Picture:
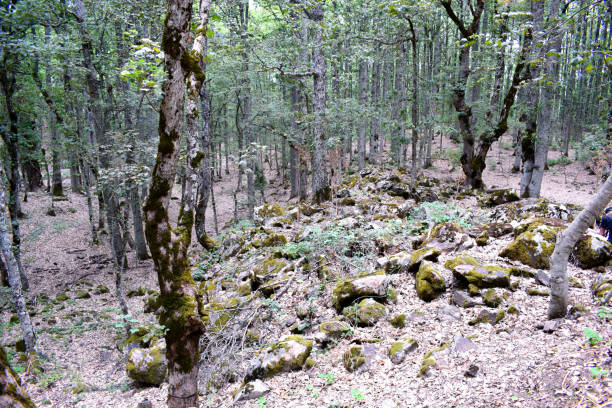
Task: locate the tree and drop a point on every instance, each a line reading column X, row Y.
column 179, row 298
column 566, row 240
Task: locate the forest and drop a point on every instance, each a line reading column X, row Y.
column 305, row 203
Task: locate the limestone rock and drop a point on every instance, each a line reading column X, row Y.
column 462, row 300
column 332, row 330
column 429, row 282
column 498, row 197
column 491, row 298
column 534, row 246
column 148, row 365
column 463, row 344
column 348, row 290
column 487, row 316
column 265, row 271
column 400, row 349
column 288, row 354
column 231, row 245
column 252, row 389
column 354, row 358
column 481, row 276
column 366, row 313
column 448, row 237
column 397, row 263
column 592, row 250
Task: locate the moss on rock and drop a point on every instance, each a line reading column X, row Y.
column 366, row 313
column 148, row 365
column 348, row 290
column 398, row 321
column 288, row 354
column 429, row 282
column 353, row 358
column 491, row 298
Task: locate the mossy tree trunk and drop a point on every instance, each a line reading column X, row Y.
column 12, row 395
column 566, row 240
column 179, row 296
column 14, row 281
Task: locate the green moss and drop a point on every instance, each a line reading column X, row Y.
column 537, row 292
column 366, row 313
column 463, row 259
column 140, row 291
column 534, row 246
column 473, row 290
column 348, row 201
column 335, row 329
column 14, row 319
column 82, row 294
column 100, row 289
column 274, row 240
column 429, row 282
column 62, row 297
column 426, row 364
column 195, row 162
column 271, row 210
column 398, row 321
column 575, row 282
column 483, row 238
column 353, row 358
column 310, row 363
column 346, row 291
column 423, row 254
column 491, row 299
column 512, row 310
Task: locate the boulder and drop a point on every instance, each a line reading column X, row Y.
column 447, row 237
column 332, row 330
column 528, row 207
column 481, row 276
column 534, row 246
column 231, row 246
column 487, row 316
column 493, row 230
column 601, row 286
column 348, row 290
column 148, row 365
column 269, row 210
column 500, row 196
column 404, row 262
column 491, row 298
column 429, row 281
column 265, row 271
column 353, row 358
column 592, row 250
column 366, row 313
column 288, row 354
column 252, row 389
column 400, row 349
column 463, row 300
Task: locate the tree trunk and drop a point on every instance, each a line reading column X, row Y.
column 557, row 307
column 363, row 90
column 204, row 173
column 15, row 281
column 10, row 138
column 321, row 190
column 12, row 393
column 179, row 295
column 415, row 102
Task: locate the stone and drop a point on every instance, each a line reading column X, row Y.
column 551, row 326
column 601, row 286
column 534, row 246
column 252, row 390
column 343, row 193
column 481, row 276
column 397, row 263
column 288, row 354
column 592, row 250
column 420, row 255
column 487, row 316
column 483, row 238
column 493, row 230
column 348, row 290
column 491, row 298
column 366, row 313
column 400, row 349
column 269, row 210
column 231, row 245
column 353, row 358
column 429, row 281
column 433, row 359
column 265, row 271
column 148, row 365
column 333, row 330
column 496, row 197
column 463, row 344
column 145, row 403
column 462, row 300
column 448, row 312
column 448, row 237
column 472, row 371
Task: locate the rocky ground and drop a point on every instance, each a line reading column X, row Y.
column 358, row 302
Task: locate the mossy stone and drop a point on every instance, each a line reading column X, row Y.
column 148, row 365
column 423, row 254
column 429, row 282
column 398, row 321
column 512, row 310
column 366, row 313
column 399, row 349
column 462, row 259
column 353, row 358
column 483, row 238
column 491, row 298
column 347, row 290
column 592, row 250
column 274, row 240
column 101, row 289
column 537, row 292
column 82, row 294
column 334, row 329
column 14, row 319
column 473, row 290
column 62, row 297
column 534, row 246
column 288, row 354
column 270, row 210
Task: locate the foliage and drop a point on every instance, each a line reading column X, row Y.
column 592, row 337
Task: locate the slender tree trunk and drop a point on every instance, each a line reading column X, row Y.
column 15, row 281
column 321, row 190
column 204, row 174
column 10, row 138
column 415, row 102
column 557, row 307
column 363, row 90
column 169, row 246
column 12, row 393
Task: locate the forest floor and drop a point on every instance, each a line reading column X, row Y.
column 520, row 365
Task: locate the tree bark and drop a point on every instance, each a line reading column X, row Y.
column 12, row 394
column 179, row 296
column 15, row 282
column 363, row 90
column 321, row 190
column 557, row 307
